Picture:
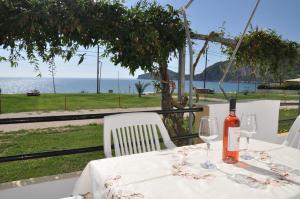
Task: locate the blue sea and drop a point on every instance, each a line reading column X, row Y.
column 77, row 85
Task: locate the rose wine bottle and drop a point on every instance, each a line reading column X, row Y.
column 231, row 136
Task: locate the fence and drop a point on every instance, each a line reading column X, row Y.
column 91, row 116
column 78, row 117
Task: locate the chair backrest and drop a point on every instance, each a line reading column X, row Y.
column 134, row 133
column 293, row 138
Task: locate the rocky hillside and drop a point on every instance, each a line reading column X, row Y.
column 216, row 71
column 172, row 75
column 213, row 73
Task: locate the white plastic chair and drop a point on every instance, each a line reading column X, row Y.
column 134, row 133
column 293, row 138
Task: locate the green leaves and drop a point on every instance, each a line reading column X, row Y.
column 137, row 37
column 141, row 87
column 81, row 58
column 3, row 58
column 266, row 52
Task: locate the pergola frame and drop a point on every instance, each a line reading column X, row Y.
column 216, row 38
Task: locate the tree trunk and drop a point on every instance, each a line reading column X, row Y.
column 173, row 122
column 280, row 80
column 166, row 98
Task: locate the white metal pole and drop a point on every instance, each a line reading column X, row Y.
column 119, row 90
column 97, row 69
column 181, row 71
column 205, row 67
column 188, row 35
column 236, row 49
column 100, row 76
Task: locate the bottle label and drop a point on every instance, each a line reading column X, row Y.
column 233, row 138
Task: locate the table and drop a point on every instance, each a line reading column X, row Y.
column 177, row 173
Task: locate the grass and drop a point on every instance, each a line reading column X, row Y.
column 288, row 113
column 284, row 126
column 12, row 103
column 68, row 137
column 30, row 141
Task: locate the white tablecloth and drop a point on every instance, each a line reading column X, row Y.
column 178, row 173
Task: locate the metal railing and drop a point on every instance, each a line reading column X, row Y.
column 79, row 117
column 92, row 116
column 84, row 116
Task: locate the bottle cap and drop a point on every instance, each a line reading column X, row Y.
column 232, row 105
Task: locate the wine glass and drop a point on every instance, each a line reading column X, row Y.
column 248, row 128
column 208, row 131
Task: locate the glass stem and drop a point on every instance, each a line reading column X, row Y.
column 207, row 154
column 247, row 146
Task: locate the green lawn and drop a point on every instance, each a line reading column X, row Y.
column 288, row 113
column 12, row 103
column 284, row 126
column 31, row 141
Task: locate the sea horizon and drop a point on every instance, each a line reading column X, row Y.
column 127, row 78
column 14, row 85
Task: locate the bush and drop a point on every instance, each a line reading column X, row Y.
column 141, row 87
column 282, row 87
column 245, row 92
column 34, row 92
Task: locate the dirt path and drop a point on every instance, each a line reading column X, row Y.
column 16, row 127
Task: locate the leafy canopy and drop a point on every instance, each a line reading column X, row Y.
column 143, row 36
column 266, row 51
column 137, row 37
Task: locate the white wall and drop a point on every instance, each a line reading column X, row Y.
column 267, row 113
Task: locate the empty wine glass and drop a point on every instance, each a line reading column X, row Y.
column 208, row 131
column 248, row 128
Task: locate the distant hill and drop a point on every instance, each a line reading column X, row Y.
column 216, row 71
column 172, row 75
column 213, row 73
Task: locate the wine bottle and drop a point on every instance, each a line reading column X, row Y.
column 231, row 136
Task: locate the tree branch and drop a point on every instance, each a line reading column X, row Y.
column 202, row 50
column 181, row 103
column 215, row 37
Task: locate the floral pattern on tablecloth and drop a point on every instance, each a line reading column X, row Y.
column 283, row 171
column 256, row 182
column 114, row 191
column 181, row 168
column 263, row 156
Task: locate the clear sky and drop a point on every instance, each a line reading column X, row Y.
column 205, row 16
